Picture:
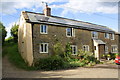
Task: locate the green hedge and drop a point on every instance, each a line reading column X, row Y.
column 51, row 63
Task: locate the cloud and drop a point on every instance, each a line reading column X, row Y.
column 11, row 6
column 85, row 6
column 90, row 7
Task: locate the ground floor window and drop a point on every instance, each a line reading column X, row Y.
column 106, row 49
column 74, row 49
column 114, row 49
column 85, row 48
column 43, row 47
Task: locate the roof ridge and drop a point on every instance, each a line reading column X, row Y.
column 69, row 19
column 82, row 22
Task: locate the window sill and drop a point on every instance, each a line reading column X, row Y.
column 112, row 39
column 74, row 54
column 114, row 52
column 43, row 52
column 43, row 33
column 70, row 36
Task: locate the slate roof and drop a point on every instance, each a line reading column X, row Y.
column 54, row 20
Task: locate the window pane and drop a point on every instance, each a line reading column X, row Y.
column 83, row 48
column 94, row 34
column 112, row 36
column 74, row 50
column 41, row 28
column 107, row 35
column 114, row 49
column 45, row 47
column 42, row 48
column 69, row 31
column 44, row 29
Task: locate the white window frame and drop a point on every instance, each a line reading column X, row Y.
column 73, row 50
column 86, row 46
column 73, row 32
column 46, row 29
column 112, row 36
column 106, row 35
column 43, row 48
column 114, row 46
column 93, row 33
column 106, row 49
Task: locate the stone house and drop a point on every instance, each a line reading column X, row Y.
column 38, row 33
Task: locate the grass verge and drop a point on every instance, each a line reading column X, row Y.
column 11, row 50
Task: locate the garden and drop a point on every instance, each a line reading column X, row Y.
column 65, row 60
column 59, row 60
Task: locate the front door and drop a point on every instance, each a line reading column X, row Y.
column 101, row 50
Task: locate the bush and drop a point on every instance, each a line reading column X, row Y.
column 50, row 63
column 3, row 32
column 9, row 39
column 14, row 32
column 58, row 49
column 87, row 58
column 112, row 55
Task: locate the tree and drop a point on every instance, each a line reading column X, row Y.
column 14, row 32
column 3, row 32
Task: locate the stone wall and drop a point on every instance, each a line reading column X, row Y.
column 58, row 34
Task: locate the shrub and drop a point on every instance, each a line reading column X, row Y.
column 68, row 50
column 87, row 57
column 9, row 39
column 113, row 55
column 3, row 32
column 14, row 32
column 50, row 63
column 84, row 54
column 57, row 49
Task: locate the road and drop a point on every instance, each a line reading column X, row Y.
column 10, row 71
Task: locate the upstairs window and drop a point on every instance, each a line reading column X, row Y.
column 43, row 29
column 112, row 37
column 44, row 48
column 114, row 49
column 85, row 48
column 74, row 49
column 70, row 32
column 107, row 35
column 106, row 49
column 94, row 34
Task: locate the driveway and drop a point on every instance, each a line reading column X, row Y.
column 10, row 71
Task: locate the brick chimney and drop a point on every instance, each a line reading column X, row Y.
column 47, row 11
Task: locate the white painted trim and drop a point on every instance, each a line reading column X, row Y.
column 73, row 32
column 43, row 47
column 46, row 29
